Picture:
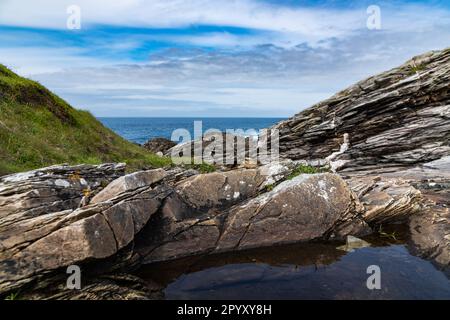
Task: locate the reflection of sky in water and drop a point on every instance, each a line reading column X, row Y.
column 403, row 276
column 305, row 271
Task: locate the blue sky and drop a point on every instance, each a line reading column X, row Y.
column 212, row 58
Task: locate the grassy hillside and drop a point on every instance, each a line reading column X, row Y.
column 38, row 129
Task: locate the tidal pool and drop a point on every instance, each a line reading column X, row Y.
column 304, row 271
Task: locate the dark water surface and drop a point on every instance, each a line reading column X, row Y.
column 305, row 271
column 140, row 130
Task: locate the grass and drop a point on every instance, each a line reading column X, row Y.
column 391, row 235
column 38, row 129
column 204, row 167
column 12, row 296
column 188, row 162
column 304, row 169
column 415, row 69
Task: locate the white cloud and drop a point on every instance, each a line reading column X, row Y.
column 176, row 13
column 297, row 57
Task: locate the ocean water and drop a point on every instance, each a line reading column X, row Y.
column 140, row 130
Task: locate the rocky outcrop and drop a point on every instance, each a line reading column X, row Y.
column 157, row 145
column 36, row 240
column 158, row 215
column 387, row 137
column 430, row 228
column 395, row 119
column 304, row 208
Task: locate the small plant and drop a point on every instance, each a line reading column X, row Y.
column 204, row 167
column 12, row 296
column 303, row 169
column 415, row 69
column 385, row 234
column 270, row 187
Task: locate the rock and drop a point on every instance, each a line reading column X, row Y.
column 386, row 199
column 219, row 190
column 44, row 241
column 223, row 149
column 31, row 194
column 398, row 118
column 305, row 208
column 430, row 235
column 129, row 182
column 276, row 171
column 387, row 137
column 353, row 243
column 158, row 145
column 111, row 287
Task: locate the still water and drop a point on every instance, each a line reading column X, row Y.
column 304, row 271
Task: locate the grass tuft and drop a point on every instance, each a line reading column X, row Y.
column 304, row 169
column 12, row 296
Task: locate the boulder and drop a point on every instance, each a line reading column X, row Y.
column 52, row 189
column 305, row 208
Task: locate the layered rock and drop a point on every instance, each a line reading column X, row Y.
column 386, row 199
column 158, row 215
column 389, row 137
column 395, row 119
column 304, row 208
column 36, row 240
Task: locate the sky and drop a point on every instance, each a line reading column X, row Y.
column 210, row 58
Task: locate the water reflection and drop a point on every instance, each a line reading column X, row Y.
column 304, row 271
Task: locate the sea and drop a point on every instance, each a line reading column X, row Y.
column 140, row 130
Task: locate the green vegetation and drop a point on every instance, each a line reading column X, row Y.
column 38, row 129
column 204, row 167
column 270, row 187
column 415, row 69
column 304, row 169
column 391, row 235
column 188, row 162
column 12, row 296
